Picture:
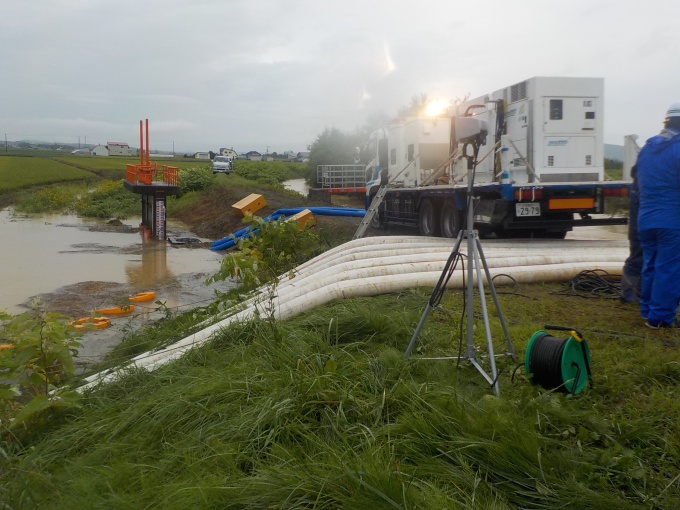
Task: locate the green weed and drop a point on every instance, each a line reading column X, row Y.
column 109, row 199
column 50, row 199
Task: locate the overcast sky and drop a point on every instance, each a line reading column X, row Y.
column 272, row 74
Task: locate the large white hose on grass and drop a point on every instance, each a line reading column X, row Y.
column 380, row 265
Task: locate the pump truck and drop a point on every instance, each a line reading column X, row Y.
column 539, row 172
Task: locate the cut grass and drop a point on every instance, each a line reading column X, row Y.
column 324, row 411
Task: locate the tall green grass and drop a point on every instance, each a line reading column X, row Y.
column 324, row 411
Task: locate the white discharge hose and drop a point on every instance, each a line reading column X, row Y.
column 378, row 265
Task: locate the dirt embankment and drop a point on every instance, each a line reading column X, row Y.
column 213, row 217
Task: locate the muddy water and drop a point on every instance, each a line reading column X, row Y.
column 299, row 185
column 75, row 266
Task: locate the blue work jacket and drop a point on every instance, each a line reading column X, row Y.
column 658, row 178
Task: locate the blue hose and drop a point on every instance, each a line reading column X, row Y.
column 232, row 239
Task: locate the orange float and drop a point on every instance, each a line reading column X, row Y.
column 143, row 296
column 116, row 310
column 89, row 322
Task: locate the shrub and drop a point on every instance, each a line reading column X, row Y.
column 274, row 248
column 108, row 200
column 195, row 179
column 51, row 199
column 36, row 353
column 268, row 172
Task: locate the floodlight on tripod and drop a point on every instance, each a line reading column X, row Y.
column 471, row 132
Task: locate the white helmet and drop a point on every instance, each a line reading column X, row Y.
column 673, row 110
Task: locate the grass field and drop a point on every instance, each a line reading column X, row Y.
column 24, row 172
column 99, row 164
column 324, row 411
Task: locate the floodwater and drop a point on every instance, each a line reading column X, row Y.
column 75, row 266
column 299, row 185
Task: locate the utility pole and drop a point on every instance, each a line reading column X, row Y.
column 5, row 142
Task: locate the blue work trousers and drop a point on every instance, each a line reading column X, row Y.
column 660, row 293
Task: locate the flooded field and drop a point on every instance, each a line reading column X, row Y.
column 75, row 266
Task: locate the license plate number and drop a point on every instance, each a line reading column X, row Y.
column 527, row 209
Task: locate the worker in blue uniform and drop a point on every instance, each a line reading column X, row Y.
column 658, row 178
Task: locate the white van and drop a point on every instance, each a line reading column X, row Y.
column 222, row 164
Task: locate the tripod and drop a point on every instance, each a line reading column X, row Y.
column 476, row 262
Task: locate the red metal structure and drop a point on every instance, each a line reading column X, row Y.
column 154, row 183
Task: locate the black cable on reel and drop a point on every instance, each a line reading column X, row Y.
column 558, row 363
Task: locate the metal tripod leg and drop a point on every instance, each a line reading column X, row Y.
column 476, row 262
column 428, row 307
column 494, row 295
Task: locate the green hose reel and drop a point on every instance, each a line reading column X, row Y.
column 561, row 364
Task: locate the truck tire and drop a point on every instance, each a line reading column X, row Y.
column 450, row 222
column 428, row 219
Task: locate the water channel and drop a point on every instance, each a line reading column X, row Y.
column 74, row 266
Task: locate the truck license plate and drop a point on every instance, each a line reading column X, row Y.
column 523, row 209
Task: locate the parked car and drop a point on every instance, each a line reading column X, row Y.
column 222, row 164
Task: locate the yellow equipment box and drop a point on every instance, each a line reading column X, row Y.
column 251, row 204
column 303, row 218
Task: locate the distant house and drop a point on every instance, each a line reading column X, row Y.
column 267, row 157
column 118, row 149
column 202, row 155
column 254, row 156
column 302, row 157
column 99, row 150
column 229, row 152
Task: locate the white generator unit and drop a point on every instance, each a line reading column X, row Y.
column 553, row 128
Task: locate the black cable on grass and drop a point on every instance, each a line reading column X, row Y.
column 513, row 291
column 593, row 283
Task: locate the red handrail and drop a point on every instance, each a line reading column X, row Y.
column 148, row 174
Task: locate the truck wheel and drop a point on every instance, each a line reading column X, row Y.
column 450, row 220
column 427, row 220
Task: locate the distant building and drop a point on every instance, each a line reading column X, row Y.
column 254, row 156
column 302, row 157
column 202, row 155
column 99, row 150
column 119, row 149
column 229, row 152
